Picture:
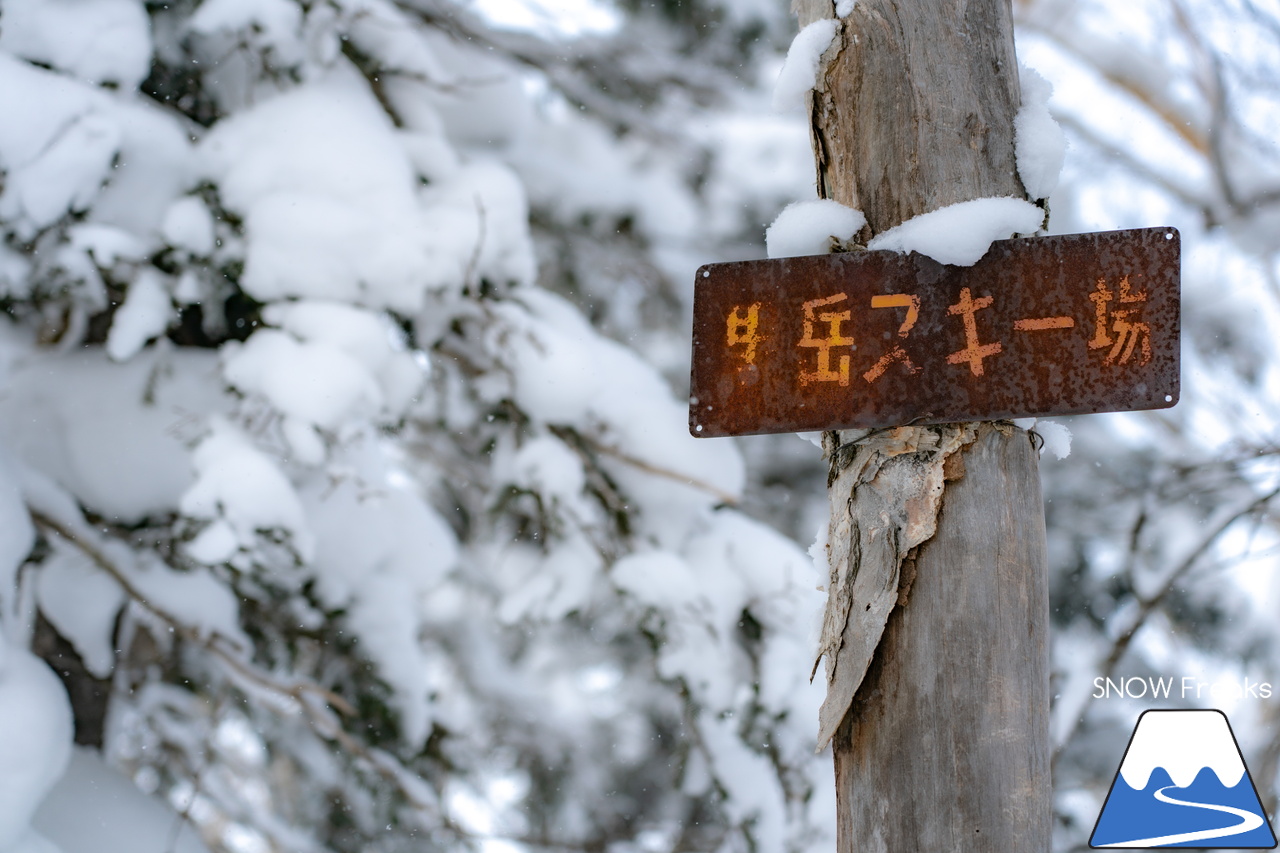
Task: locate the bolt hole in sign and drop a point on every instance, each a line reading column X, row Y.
column 1062, row 325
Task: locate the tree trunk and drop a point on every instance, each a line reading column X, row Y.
column 945, row 744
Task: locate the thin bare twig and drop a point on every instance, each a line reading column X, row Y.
column 1148, row 605
column 658, row 471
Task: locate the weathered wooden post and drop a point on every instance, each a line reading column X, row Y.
column 935, row 634
column 946, row 745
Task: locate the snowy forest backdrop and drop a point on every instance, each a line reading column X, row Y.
column 344, row 475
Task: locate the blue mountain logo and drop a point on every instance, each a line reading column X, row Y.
column 1183, row 783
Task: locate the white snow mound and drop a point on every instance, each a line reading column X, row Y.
column 800, row 71
column 960, row 234
column 806, row 228
column 1041, row 145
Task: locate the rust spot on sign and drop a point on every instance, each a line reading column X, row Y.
column 1040, row 326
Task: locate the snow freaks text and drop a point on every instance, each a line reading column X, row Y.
column 1186, row 687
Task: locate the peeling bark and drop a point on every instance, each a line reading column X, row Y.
column 894, row 485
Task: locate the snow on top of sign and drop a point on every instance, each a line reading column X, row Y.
column 960, row 234
column 807, row 227
column 800, row 72
column 1041, row 145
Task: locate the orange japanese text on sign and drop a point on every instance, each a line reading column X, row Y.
column 742, row 330
column 1119, row 328
column 832, row 338
column 897, row 355
column 1066, row 324
column 973, row 351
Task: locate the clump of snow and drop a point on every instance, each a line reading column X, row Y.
column 476, row 226
column 196, row 598
column 238, row 485
column 961, row 234
column 659, row 579
column 380, row 549
column 106, row 244
column 844, row 7
column 68, row 147
column 154, row 166
column 273, row 24
column 487, row 105
column 548, row 585
column 333, row 207
column 193, row 597
column 329, row 365
column 114, row 435
column 819, row 553
column 547, row 467
column 326, row 195
column 95, row 809
column 35, row 741
column 383, row 31
column 370, row 338
column 15, row 273
column 1041, row 145
column 145, row 314
column 317, row 384
column 82, row 602
column 188, row 225
column 733, row 564
column 808, row 227
column 99, row 41
column 800, row 72
column 566, row 373
column 1057, row 438
column 56, row 145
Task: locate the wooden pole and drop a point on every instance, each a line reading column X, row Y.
column 945, row 744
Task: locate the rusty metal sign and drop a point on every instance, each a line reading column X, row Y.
column 1040, row 326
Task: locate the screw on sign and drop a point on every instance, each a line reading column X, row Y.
column 1043, row 326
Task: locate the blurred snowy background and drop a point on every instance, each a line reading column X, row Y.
column 346, row 497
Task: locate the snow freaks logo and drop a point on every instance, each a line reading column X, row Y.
column 1183, row 783
column 1185, row 688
